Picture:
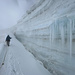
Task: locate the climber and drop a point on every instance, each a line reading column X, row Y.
column 8, row 40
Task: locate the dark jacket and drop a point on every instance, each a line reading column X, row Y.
column 8, row 38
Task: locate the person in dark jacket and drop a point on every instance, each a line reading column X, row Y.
column 8, row 40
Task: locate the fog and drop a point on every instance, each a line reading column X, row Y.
column 12, row 10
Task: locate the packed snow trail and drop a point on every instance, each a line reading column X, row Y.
column 3, row 55
column 19, row 61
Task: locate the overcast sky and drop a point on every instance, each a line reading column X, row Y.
column 12, row 10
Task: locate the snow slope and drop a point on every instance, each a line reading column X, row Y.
column 48, row 32
column 18, row 61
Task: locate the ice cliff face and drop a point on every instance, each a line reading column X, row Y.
column 48, row 31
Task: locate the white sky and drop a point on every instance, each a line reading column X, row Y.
column 12, row 10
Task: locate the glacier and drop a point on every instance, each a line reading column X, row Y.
column 47, row 30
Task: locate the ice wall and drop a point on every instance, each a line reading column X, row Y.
column 48, row 33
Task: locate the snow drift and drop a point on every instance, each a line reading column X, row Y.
column 16, row 60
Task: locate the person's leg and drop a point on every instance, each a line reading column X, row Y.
column 8, row 43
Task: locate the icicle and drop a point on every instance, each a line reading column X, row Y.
column 53, row 34
column 73, row 25
column 50, row 37
column 70, row 39
column 62, row 35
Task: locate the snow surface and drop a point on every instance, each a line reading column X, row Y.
column 18, row 61
column 48, row 32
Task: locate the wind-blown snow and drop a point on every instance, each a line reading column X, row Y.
column 48, row 32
